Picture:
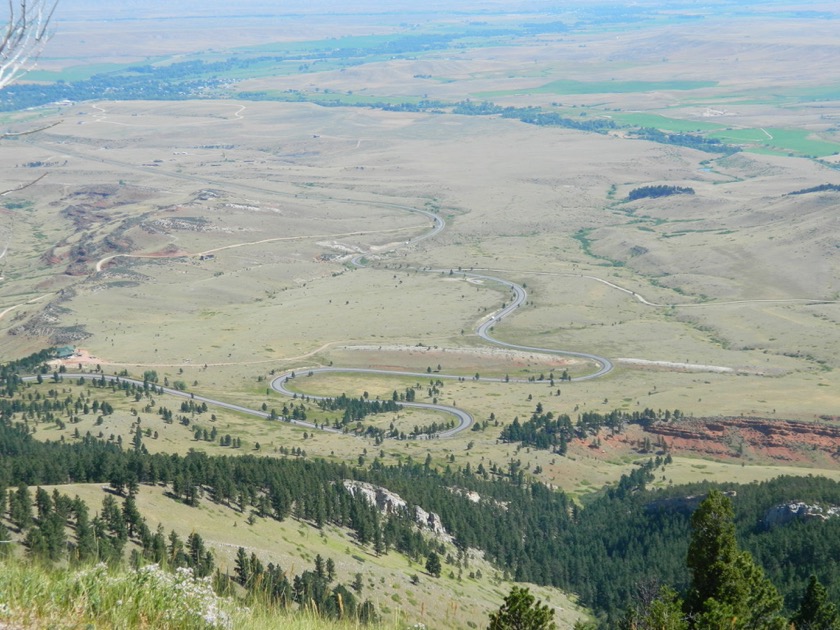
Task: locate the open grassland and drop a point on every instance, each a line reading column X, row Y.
column 212, row 240
column 492, row 405
column 687, row 470
column 218, row 242
column 278, row 294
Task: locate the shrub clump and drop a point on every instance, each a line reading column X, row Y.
column 658, row 191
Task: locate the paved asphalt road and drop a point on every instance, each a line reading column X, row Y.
column 465, row 420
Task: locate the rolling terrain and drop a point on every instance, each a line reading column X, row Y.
column 451, row 201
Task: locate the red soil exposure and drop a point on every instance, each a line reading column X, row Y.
column 786, row 440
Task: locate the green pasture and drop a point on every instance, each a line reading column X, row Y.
column 81, row 72
column 801, row 141
column 364, row 45
column 349, row 43
column 664, row 123
column 777, row 140
column 816, row 93
column 565, row 86
column 337, row 98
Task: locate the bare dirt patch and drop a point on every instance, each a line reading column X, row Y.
column 761, row 444
column 82, row 357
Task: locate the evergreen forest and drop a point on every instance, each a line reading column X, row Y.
column 603, row 548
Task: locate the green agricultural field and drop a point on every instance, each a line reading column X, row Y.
column 774, row 140
column 352, row 44
column 666, row 124
column 77, row 73
column 331, row 99
column 566, row 87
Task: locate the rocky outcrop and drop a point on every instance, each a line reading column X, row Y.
column 387, row 502
column 430, row 521
column 470, row 495
column 391, row 504
column 798, row 511
column 474, row 497
column 728, row 437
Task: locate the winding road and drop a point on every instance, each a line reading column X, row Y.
column 465, row 420
column 279, row 384
column 483, row 329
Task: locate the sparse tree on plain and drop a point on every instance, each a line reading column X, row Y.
column 433, row 565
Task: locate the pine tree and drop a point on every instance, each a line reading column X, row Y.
column 243, row 567
column 86, row 548
column 664, row 612
column 52, row 529
column 712, row 547
column 816, row 612
column 44, row 504
column 319, row 567
column 200, row 559
column 113, row 516
column 176, row 550
column 5, row 539
column 157, row 548
column 256, row 566
column 131, row 485
column 36, row 543
column 521, row 611
column 433, row 565
column 131, row 514
column 20, row 507
column 367, row 613
column 728, row 589
column 137, row 442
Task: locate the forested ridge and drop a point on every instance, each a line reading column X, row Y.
column 600, row 548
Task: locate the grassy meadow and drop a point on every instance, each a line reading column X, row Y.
column 453, row 600
column 282, row 218
column 212, row 240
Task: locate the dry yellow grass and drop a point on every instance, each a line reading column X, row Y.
column 282, row 195
column 295, row 189
column 444, row 602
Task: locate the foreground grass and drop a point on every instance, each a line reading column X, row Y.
column 35, row 596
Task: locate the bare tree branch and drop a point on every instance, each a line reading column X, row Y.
column 21, row 42
column 24, row 37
